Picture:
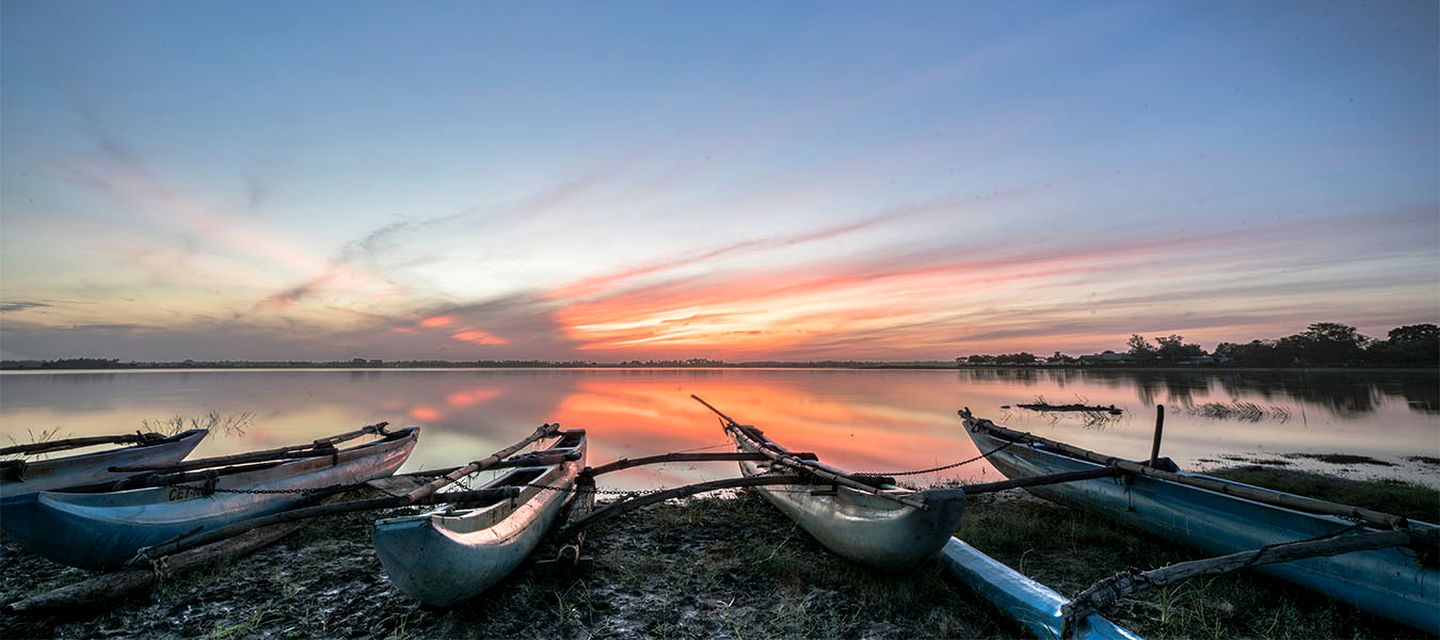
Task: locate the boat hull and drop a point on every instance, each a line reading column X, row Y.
column 101, row 531
column 870, row 530
column 90, row 468
column 1386, row 582
column 448, row 556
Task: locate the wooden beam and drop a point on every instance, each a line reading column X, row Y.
column 293, row 451
column 1056, row 478
column 76, row 443
column 626, row 506
column 627, row 463
column 544, row 431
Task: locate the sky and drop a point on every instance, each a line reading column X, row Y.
column 739, row 180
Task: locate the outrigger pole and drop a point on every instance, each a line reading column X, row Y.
column 792, row 461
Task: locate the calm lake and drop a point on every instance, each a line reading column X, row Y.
column 872, row 420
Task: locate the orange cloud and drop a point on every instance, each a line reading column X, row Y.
column 476, row 336
column 437, row 321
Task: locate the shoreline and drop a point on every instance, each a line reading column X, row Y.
column 704, row 567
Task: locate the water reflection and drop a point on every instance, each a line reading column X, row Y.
column 877, row 421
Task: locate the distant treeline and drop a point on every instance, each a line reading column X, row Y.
column 370, row 363
column 1323, row 344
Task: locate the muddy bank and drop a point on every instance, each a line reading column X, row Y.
column 709, row 568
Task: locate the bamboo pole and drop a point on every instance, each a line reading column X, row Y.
column 279, row 453
column 1057, row 478
column 627, row 463
column 1106, row 592
column 544, row 431
column 1300, row 503
column 626, row 506
column 778, row 455
column 87, row 441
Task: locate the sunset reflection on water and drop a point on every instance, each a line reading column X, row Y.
column 871, row 421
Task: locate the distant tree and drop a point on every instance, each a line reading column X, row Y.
column 1141, row 349
column 1016, row 358
column 1173, row 349
column 1059, row 358
column 981, row 358
column 1410, row 345
column 1327, row 343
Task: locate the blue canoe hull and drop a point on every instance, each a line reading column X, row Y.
column 447, row 556
column 101, row 531
column 1389, row 582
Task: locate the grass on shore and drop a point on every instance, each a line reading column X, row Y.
column 722, row 568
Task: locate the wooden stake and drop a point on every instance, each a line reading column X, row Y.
column 1159, row 429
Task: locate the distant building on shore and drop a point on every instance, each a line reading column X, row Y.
column 1107, row 357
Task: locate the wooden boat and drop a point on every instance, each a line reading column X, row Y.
column 1035, row 606
column 1222, row 517
column 102, row 529
column 22, row 476
column 450, row 555
column 865, row 519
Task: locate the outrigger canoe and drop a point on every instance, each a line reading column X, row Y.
column 1206, row 513
column 23, row 476
column 100, row 529
column 450, row 555
column 865, row 519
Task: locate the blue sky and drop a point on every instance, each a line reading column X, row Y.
column 797, row 180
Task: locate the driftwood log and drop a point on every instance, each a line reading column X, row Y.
column 1108, row 591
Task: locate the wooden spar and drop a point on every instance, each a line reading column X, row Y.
column 537, row 459
column 793, row 461
column 1159, row 430
column 1106, row 592
column 292, row 451
column 76, row 443
column 1300, row 503
column 1019, row 483
column 626, row 506
column 544, row 431
column 110, row 588
column 626, row 463
column 146, row 555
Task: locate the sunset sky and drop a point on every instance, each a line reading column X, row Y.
column 736, row 180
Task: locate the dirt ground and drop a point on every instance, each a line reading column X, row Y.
column 709, row 568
